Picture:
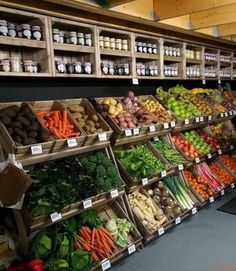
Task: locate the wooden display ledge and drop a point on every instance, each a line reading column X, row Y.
column 211, row 63
column 173, row 58
column 73, row 48
column 119, row 53
column 23, row 42
column 25, row 74
column 194, row 61
column 147, row 56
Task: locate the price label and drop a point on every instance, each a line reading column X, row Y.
column 219, row 82
column 177, row 220
column 226, row 114
column 211, row 199
column 186, row 121
column 197, row 119
column 230, row 113
column 231, row 147
column 128, row 132
column 222, row 192
column 201, row 119
column 156, row 138
column 166, row 125
column 106, row 264
column 172, row 124
column 145, row 181
column 234, row 112
column 180, row 167
column 209, row 156
column 197, row 160
column 114, row 193
column 219, row 152
column 55, row 216
column 102, row 137
column 72, row 142
column 37, row 149
column 152, row 128
column 194, row 211
column 136, row 131
column 161, row 231
column 232, row 185
column 204, row 82
column 131, row 249
column 209, row 118
column 222, row 115
column 163, row 173
column 87, row 203
column 135, row 81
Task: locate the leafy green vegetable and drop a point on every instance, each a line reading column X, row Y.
column 90, row 218
column 81, row 260
column 42, row 246
column 57, row 265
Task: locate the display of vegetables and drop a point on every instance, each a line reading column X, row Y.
column 131, row 102
column 22, row 125
column 110, row 106
column 197, row 141
column 185, row 146
column 199, row 103
column 161, row 196
column 140, row 161
column 211, row 141
column 177, row 188
column 170, row 154
column 143, row 206
column 59, row 124
column 229, row 162
column 221, row 173
column 224, row 133
column 199, row 184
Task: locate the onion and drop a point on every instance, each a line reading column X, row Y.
column 135, row 99
column 135, row 104
column 127, row 100
column 130, row 94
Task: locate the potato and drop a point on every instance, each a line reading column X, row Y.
column 16, row 124
column 100, row 130
column 90, row 123
column 33, row 134
column 123, row 124
column 97, row 125
column 20, row 133
column 77, row 115
column 113, row 101
column 30, row 116
column 6, row 120
column 76, row 108
column 29, row 141
column 10, row 130
column 23, row 120
column 17, row 139
column 95, row 117
column 10, row 112
column 112, row 110
column 34, row 126
column 43, row 136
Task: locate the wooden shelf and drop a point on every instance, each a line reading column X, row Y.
column 23, row 42
column 117, row 76
column 173, row 77
column 24, row 74
column 225, row 64
column 173, row 59
column 147, row 56
column 211, row 63
column 68, row 75
column 73, row 48
column 194, row 61
column 119, row 53
column 148, row 77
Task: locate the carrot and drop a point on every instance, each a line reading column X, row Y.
column 95, row 257
column 60, row 125
column 93, row 236
column 64, row 120
column 86, row 246
column 70, row 126
column 77, row 245
column 73, row 134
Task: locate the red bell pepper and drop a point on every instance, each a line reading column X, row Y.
column 35, row 265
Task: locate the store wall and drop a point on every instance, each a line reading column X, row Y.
column 26, row 89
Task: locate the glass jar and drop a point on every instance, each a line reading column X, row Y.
column 178, row 52
column 80, row 39
column 77, row 67
column 70, row 68
column 37, row 32
column 11, row 30
column 125, row 45
column 155, row 71
column 5, row 65
column 147, row 70
column 16, row 64
column 113, row 43
column 101, row 41
column 61, row 66
column 87, row 67
column 126, row 69
column 55, row 34
column 118, row 44
column 26, row 31
column 88, row 39
column 61, row 36
column 104, row 68
column 140, row 47
column 35, row 67
column 166, row 50
column 19, row 31
column 174, row 52
column 198, row 55
column 170, row 51
column 73, row 37
column 138, row 69
column 144, row 45
column 3, row 28
column 67, row 37
column 143, row 72
column 154, row 49
column 107, row 42
column 28, row 66
column 136, row 46
column 111, row 69
column 149, row 48
column 151, row 69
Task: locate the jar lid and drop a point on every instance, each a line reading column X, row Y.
column 28, row 61
column 151, row 67
column 61, row 33
column 79, row 34
column 15, row 58
column 18, row 27
column 11, row 25
column 118, row 40
column 144, row 43
column 140, row 43
column 55, row 30
column 77, row 63
column 106, row 38
column 154, row 45
column 88, row 35
column 87, row 64
column 126, row 65
column 36, row 27
column 124, row 41
column 112, row 39
column 149, row 45
column 72, row 33
column 3, row 22
column 60, row 62
column 25, row 26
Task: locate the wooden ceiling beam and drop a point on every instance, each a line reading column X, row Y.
column 181, row 21
column 212, row 31
column 114, row 3
column 166, row 9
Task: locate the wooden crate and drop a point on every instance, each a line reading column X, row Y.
column 60, row 144
column 21, row 152
column 91, row 139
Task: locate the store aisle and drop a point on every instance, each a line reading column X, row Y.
column 205, row 242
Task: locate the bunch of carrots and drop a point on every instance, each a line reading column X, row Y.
column 58, row 124
column 98, row 241
column 224, row 176
column 229, row 162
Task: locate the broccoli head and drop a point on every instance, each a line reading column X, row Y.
column 84, row 161
column 103, row 184
column 106, row 162
column 92, row 158
column 100, row 155
column 116, row 181
column 90, row 167
column 111, row 171
column 100, row 171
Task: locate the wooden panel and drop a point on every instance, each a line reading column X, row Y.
column 181, row 21
column 113, row 3
column 213, row 31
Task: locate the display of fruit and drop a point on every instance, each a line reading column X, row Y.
column 178, row 90
column 216, row 94
column 185, row 146
column 198, row 142
column 200, row 104
column 90, row 123
column 229, row 163
column 199, row 184
column 145, row 116
column 22, row 125
column 212, row 142
column 131, row 102
column 228, row 105
column 230, row 97
column 201, row 90
column 223, row 133
column 161, row 196
column 125, row 120
column 222, row 174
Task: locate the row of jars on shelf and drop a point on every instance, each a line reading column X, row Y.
column 113, row 44
column 210, row 72
column 146, row 48
column 15, row 64
column 193, row 71
column 191, row 54
column 225, row 73
column 171, row 70
column 72, row 37
column 146, row 70
column 26, row 31
column 226, row 59
column 74, row 67
column 210, row 56
column 172, row 51
column 109, row 68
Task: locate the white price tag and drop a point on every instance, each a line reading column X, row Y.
column 114, row 193
column 156, row 138
column 152, row 128
column 106, row 264
column 204, row 82
column 201, row 119
column 102, row 137
column 161, row 231
column 180, row 167
column 135, row 81
column 163, row 173
column 232, row 185
column 231, row 147
column 172, row 124
column 197, row 119
column 136, row 131
column 222, row 115
column 177, row 220
column 87, row 203
column 230, row 113
column 226, row 114
column 209, row 156
column 145, row 181
column 186, row 121
column 131, row 249
column 211, row 199
column 209, row 117
column 128, row 132
column 37, row 149
column 166, row 125
column 72, row 142
column 219, row 82
column 55, row 216
column 222, row 192
column 194, row 211
column 197, row 160
column 219, row 152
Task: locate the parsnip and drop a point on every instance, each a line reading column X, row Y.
column 139, row 213
column 140, row 205
column 149, row 219
column 150, row 204
column 141, row 197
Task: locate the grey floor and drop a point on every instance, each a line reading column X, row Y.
column 205, row 242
